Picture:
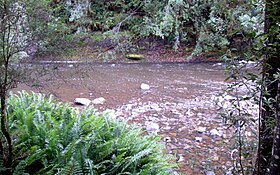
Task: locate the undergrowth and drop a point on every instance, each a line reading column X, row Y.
column 50, row 137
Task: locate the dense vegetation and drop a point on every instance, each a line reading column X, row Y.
column 31, row 134
column 203, row 25
column 53, row 138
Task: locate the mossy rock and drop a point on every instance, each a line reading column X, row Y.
column 135, row 56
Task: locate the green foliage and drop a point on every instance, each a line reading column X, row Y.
column 207, row 25
column 247, row 86
column 53, row 138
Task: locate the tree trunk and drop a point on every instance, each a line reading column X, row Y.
column 268, row 133
column 7, row 155
column 275, row 162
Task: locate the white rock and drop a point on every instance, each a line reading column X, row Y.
column 248, row 133
column 215, row 132
column 155, row 107
column 167, row 139
column 82, row 101
column 181, row 158
column 217, row 64
column 21, row 55
column 111, row 113
column 209, row 173
column 198, row 139
column 152, row 127
column 99, row 100
column 201, row 129
column 145, row 86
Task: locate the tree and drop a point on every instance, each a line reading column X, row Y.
column 268, row 161
column 23, row 23
column 11, row 30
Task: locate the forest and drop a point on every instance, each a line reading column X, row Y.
column 181, row 79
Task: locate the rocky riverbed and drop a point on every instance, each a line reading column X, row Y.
column 176, row 101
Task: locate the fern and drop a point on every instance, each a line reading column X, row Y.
column 72, row 168
column 54, row 139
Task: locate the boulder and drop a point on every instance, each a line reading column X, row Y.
column 82, row 101
column 98, row 101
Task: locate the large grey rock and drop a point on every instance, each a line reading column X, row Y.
column 82, row 101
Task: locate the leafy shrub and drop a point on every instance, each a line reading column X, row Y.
column 53, row 138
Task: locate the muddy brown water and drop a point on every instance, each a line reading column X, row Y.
column 179, row 101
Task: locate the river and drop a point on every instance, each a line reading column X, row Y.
column 179, row 105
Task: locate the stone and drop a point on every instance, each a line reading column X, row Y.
column 152, row 127
column 155, row 106
column 167, row 139
column 217, row 64
column 21, row 55
column 215, row 132
column 181, row 158
column 215, row 158
column 187, row 147
column 145, row 86
column 82, row 101
column 99, row 100
column 201, row 129
column 111, row 113
column 228, row 173
column 209, row 173
column 198, row 139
